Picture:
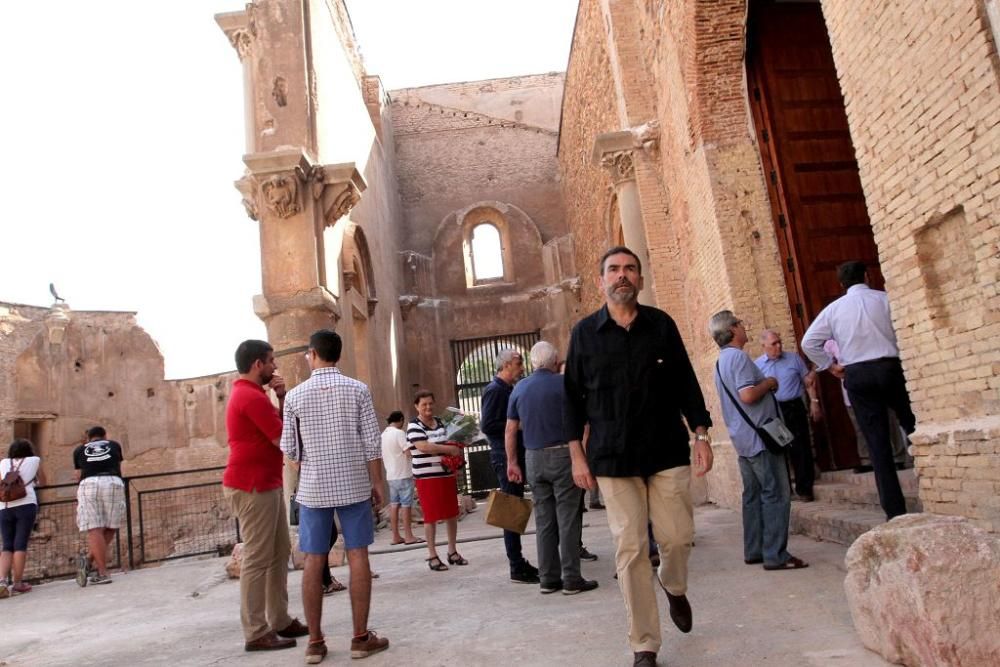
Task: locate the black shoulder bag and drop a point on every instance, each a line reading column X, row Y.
column 773, row 432
column 293, row 505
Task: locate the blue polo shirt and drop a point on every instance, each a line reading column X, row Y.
column 789, row 370
column 537, row 402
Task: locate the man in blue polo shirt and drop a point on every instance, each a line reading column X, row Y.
column 536, row 407
column 794, row 380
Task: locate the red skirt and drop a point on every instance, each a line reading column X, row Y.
column 438, row 497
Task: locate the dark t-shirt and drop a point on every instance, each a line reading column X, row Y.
column 100, row 457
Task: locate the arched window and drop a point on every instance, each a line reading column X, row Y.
column 487, row 253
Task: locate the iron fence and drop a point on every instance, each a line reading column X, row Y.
column 167, row 516
column 474, row 362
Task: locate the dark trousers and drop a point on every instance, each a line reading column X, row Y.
column 511, row 540
column 794, row 415
column 327, row 575
column 874, row 387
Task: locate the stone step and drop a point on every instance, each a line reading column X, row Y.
column 858, row 495
column 831, row 522
column 907, row 479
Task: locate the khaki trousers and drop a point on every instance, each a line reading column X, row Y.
column 664, row 499
column 264, row 570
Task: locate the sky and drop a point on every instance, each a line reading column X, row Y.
column 123, row 133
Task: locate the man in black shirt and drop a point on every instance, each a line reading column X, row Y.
column 493, row 422
column 628, row 375
column 100, row 501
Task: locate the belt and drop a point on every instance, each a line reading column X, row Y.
column 873, row 361
column 562, row 446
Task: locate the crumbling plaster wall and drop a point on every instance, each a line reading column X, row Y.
column 104, row 369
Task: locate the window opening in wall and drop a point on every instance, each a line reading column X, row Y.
column 487, row 253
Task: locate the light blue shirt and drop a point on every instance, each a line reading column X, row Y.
column 738, row 371
column 789, row 370
column 860, row 322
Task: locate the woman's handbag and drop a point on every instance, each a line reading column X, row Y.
column 773, row 432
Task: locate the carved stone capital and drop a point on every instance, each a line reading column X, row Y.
column 240, row 29
column 337, row 188
column 280, row 193
column 616, row 151
column 372, row 302
column 350, row 280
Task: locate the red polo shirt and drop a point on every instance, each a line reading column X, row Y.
column 253, row 424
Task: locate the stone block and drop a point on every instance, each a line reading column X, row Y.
column 925, row 590
column 234, row 562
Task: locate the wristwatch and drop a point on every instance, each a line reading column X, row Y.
column 704, row 437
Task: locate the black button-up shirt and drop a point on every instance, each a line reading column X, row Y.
column 633, row 386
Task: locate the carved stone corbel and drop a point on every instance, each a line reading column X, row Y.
column 407, row 303
column 248, row 189
column 280, row 193
column 337, row 188
column 620, row 165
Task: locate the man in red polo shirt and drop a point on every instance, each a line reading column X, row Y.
column 252, row 484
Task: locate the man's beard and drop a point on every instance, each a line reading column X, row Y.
column 626, row 296
column 266, row 379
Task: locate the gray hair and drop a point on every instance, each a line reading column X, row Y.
column 544, row 355
column 720, row 326
column 768, row 332
column 506, row 356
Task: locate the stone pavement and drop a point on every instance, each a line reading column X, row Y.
column 186, row 612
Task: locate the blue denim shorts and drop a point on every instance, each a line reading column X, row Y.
column 401, row 492
column 316, row 526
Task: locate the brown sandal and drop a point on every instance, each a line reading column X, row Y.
column 439, row 567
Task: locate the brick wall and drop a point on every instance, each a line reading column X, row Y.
column 920, row 81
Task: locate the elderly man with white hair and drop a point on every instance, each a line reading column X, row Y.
column 536, row 408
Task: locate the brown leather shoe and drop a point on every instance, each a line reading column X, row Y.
column 294, row 629
column 362, row 647
column 269, row 642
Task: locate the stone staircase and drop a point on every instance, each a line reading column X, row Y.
column 846, row 506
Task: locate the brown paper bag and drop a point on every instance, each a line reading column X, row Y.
column 508, row 512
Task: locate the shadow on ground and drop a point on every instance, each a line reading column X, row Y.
column 187, row 613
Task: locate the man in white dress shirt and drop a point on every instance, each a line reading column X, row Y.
column 861, row 324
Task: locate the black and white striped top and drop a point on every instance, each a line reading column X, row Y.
column 426, row 465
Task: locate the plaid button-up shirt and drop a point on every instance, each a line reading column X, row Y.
column 331, row 429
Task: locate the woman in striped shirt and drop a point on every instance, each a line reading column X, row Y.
column 436, row 486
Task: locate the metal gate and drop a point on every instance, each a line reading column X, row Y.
column 474, row 362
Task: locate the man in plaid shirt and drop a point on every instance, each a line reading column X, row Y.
column 330, row 428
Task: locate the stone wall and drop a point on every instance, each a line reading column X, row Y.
column 71, row 370
column 467, row 153
column 922, row 87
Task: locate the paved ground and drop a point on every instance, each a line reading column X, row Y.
column 186, row 613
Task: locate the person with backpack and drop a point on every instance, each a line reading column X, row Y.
column 20, row 472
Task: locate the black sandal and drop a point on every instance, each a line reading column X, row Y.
column 455, row 559
column 440, row 567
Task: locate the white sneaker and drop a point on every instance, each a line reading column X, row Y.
column 97, row 579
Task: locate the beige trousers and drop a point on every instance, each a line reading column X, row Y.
column 664, row 499
column 264, row 570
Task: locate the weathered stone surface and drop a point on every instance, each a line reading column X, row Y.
column 235, row 562
column 925, row 590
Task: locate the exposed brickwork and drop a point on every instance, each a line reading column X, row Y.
column 930, row 165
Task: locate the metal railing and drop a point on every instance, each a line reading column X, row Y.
column 167, row 516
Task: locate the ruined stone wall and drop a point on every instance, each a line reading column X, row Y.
column 102, row 368
column 922, row 86
column 457, row 150
column 467, row 152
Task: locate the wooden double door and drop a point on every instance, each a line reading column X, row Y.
column 820, row 214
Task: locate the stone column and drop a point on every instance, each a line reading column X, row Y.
column 241, row 31
column 614, row 152
column 294, row 200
